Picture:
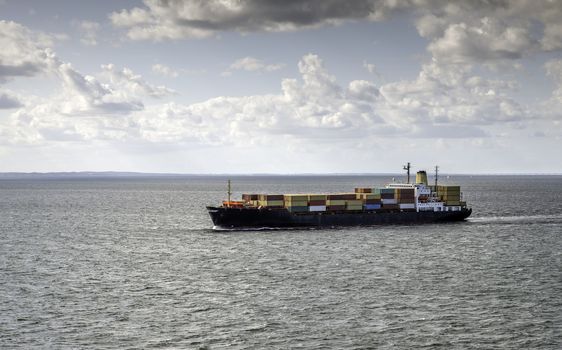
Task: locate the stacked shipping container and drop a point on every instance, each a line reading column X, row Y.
column 371, row 197
column 362, row 199
column 451, row 195
column 406, row 198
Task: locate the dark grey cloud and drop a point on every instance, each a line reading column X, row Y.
column 458, row 31
column 257, row 15
column 176, row 19
column 25, row 69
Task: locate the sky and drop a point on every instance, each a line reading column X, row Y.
column 286, row 87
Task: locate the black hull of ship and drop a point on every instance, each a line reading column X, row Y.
column 254, row 218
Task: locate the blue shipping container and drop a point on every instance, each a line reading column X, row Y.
column 372, row 206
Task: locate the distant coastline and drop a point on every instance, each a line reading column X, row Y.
column 118, row 174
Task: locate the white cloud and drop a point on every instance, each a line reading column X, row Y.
column 316, row 108
column 313, row 114
column 113, row 93
column 252, row 64
column 165, row 70
column 86, row 95
column 488, row 41
column 450, row 95
column 89, row 31
column 489, row 32
column 86, row 107
column 126, row 80
column 24, row 53
column 313, row 110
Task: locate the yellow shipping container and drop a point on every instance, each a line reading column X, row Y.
column 296, row 197
column 336, row 202
column 271, row 203
column 368, row 196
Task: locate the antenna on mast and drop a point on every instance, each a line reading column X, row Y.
column 436, row 176
column 407, row 168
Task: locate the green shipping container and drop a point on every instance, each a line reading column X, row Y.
column 276, row 203
column 354, row 207
column 298, row 209
column 317, row 197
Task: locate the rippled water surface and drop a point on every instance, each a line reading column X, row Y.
column 132, row 263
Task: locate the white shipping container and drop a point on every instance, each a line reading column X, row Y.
column 407, row 206
column 317, row 208
column 389, row 201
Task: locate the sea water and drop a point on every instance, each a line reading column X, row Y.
column 132, row 262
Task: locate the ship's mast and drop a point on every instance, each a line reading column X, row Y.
column 229, row 192
column 407, row 168
column 436, row 176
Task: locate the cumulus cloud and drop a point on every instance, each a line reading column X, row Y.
column 24, row 53
column 85, row 108
column 314, row 109
column 451, row 95
column 488, row 41
column 487, row 31
column 86, row 95
column 126, row 80
column 252, row 64
column 114, row 92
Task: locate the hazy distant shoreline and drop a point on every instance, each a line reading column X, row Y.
column 116, row 174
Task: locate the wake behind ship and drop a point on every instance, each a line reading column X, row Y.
column 396, row 203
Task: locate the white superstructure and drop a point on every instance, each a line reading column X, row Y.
column 425, row 198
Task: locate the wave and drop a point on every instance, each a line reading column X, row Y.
column 542, row 218
column 226, row 229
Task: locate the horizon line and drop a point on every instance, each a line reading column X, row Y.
column 86, row 173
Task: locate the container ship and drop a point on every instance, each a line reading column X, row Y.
column 396, row 203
